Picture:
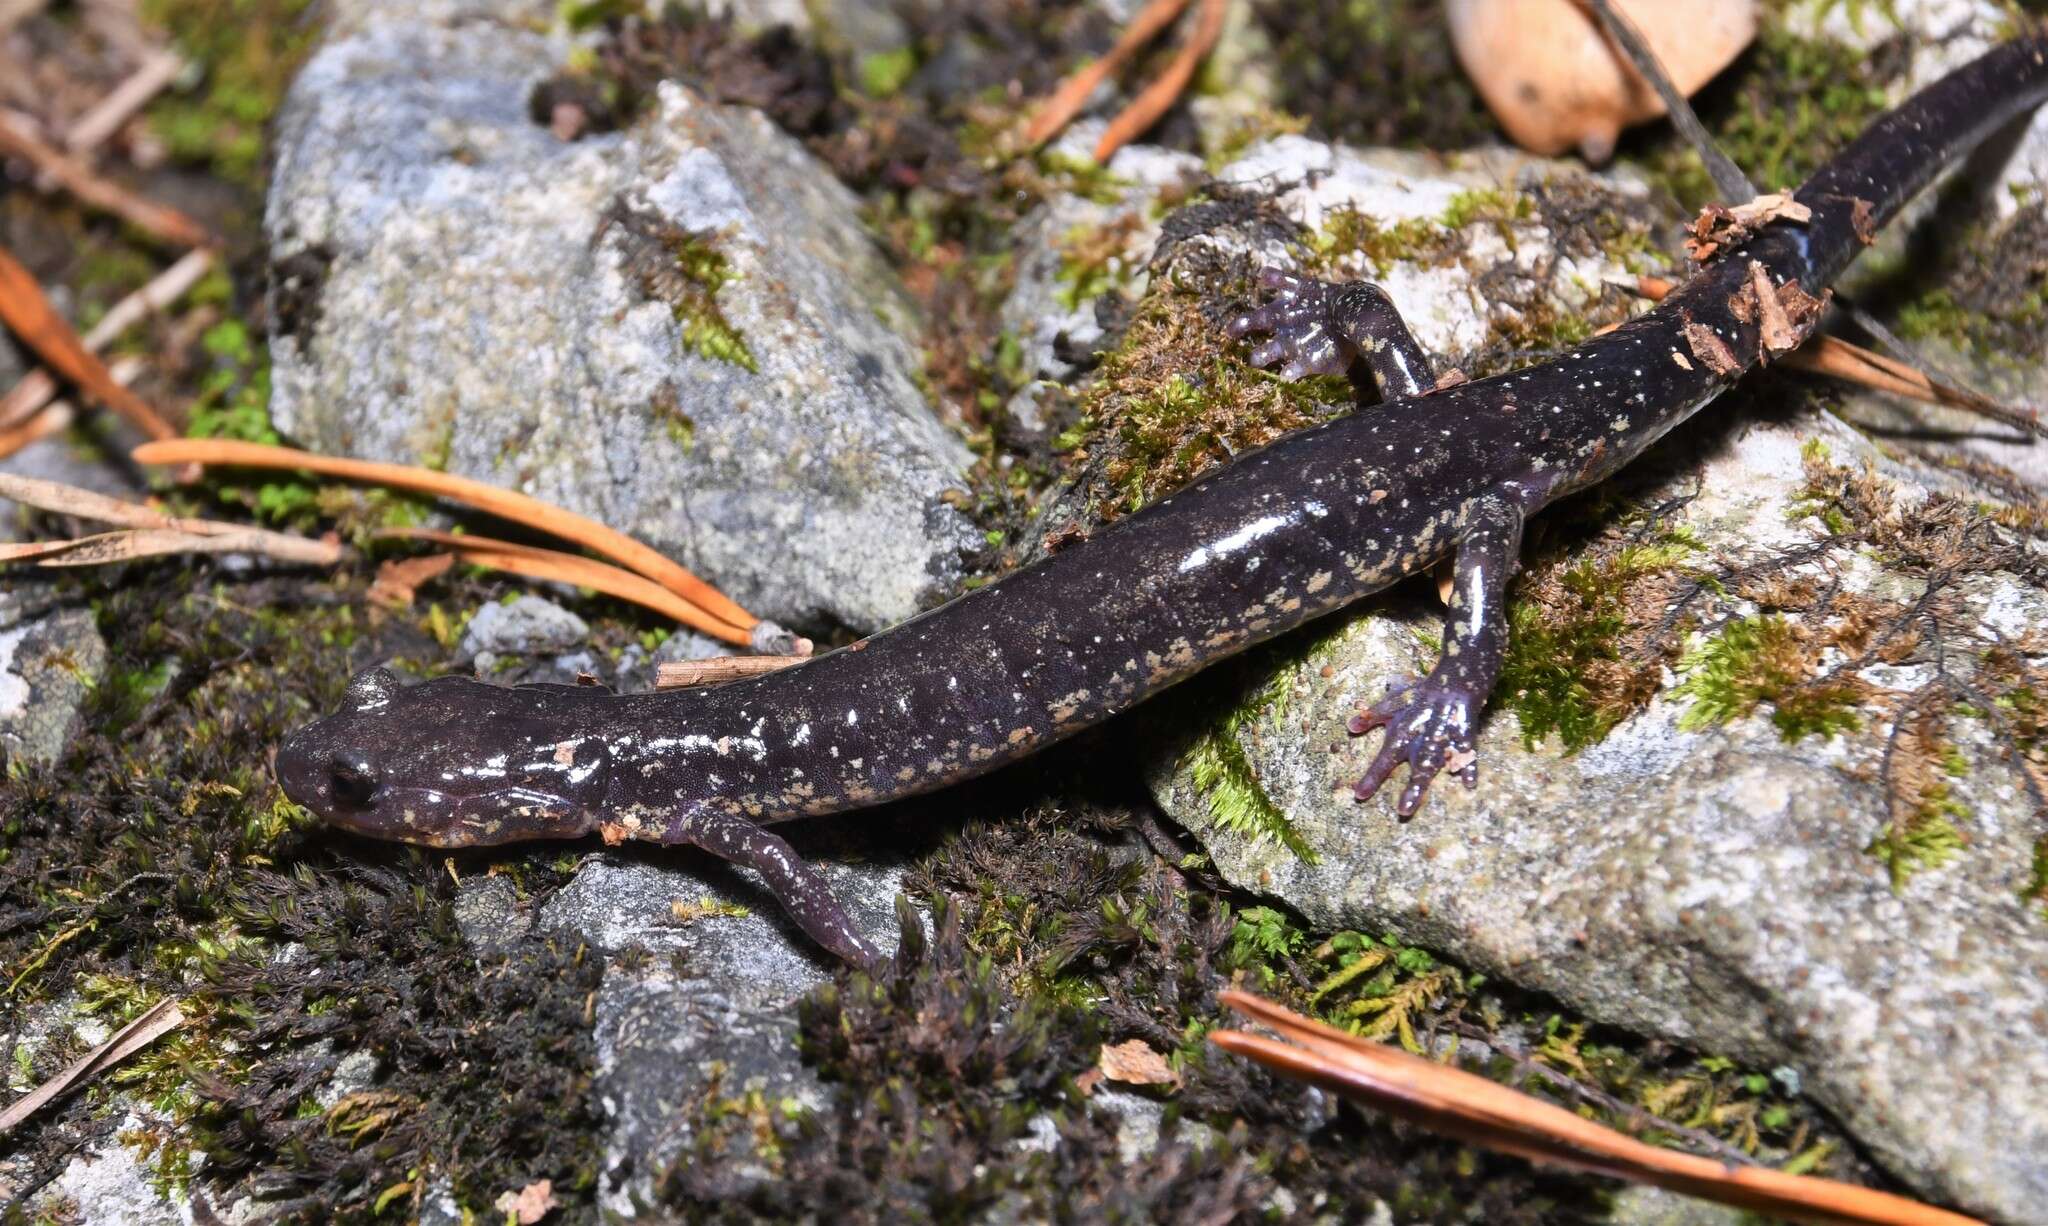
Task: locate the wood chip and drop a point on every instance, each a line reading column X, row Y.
column 1708, row 347
column 1863, row 220
column 1135, row 1063
column 1774, row 330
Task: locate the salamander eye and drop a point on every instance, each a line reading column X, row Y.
column 353, row 780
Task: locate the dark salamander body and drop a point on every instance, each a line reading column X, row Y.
column 1280, row 536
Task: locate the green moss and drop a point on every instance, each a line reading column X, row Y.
column 1926, row 838
column 234, row 403
column 582, row 15
column 1227, row 780
column 1759, row 660
column 706, row 331
column 1566, row 643
column 247, row 51
column 2036, row 889
column 1092, row 261
column 885, row 73
column 1787, row 105
column 1373, row 73
column 1349, row 237
column 1174, row 399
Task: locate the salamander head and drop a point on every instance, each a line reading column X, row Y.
column 449, row 763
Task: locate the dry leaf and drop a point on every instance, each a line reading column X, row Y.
column 399, row 579
column 1135, row 1063
column 1720, row 226
column 529, row 1204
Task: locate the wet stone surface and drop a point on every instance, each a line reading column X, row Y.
column 702, row 1002
column 680, row 329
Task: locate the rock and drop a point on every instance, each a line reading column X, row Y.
column 1052, row 310
column 488, row 912
column 711, row 1011
column 47, row 667
column 680, row 330
column 108, row 1186
column 1713, row 885
column 526, row 625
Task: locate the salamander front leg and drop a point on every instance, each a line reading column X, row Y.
column 1430, row 722
column 796, row 885
column 1323, row 329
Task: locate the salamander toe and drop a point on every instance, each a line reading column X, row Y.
column 1429, row 726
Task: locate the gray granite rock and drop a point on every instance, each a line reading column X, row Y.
column 680, row 330
column 710, row 1010
column 525, row 625
column 1712, row 886
column 47, row 667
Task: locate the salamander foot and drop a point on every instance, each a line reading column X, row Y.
column 1299, row 325
column 1430, row 724
column 1317, row 328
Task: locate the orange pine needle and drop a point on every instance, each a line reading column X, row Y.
column 536, row 563
column 504, row 503
column 1067, row 101
column 1486, row 1113
column 24, row 309
column 1159, row 97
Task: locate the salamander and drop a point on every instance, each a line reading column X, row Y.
column 1280, row 536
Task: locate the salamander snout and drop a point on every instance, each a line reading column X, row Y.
column 327, row 780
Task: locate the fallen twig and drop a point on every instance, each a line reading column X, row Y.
column 163, row 222
column 1727, row 176
column 145, row 532
column 37, row 387
column 156, row 1021
column 1067, row 101
column 682, row 674
column 1476, row 1110
column 537, row 563
column 24, row 309
column 121, row 103
column 504, row 503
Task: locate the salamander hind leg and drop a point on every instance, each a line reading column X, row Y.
column 804, row 895
column 1319, row 328
column 1431, row 722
